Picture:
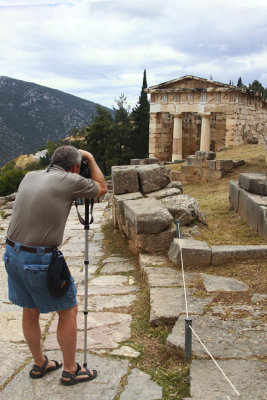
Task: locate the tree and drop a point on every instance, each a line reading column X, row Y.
column 257, row 87
column 239, row 82
column 141, row 119
column 123, row 132
column 99, row 137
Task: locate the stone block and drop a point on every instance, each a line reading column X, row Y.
column 190, row 161
column 254, row 183
column 211, row 175
column 228, row 253
column 153, row 177
column 248, row 207
column 147, row 215
column 238, row 163
column 205, row 155
column 193, row 253
column 234, row 195
column 153, row 243
column 224, row 165
column 165, row 305
column 124, row 179
column 262, row 221
column 120, row 198
column 166, row 192
column 211, row 164
column 185, row 169
column 175, row 184
column 185, row 208
column 175, row 175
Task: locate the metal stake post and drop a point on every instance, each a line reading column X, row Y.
column 188, row 339
column 86, row 263
column 188, row 321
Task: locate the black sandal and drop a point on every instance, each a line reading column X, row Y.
column 41, row 371
column 72, row 378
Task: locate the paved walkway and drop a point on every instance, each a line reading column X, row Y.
column 109, row 323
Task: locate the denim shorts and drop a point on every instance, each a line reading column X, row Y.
column 27, row 281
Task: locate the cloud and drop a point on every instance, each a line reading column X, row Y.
column 98, row 49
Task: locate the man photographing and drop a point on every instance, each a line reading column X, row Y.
column 40, row 212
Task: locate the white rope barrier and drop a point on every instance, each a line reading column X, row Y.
column 186, row 308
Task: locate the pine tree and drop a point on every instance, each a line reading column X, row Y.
column 141, row 119
column 239, row 82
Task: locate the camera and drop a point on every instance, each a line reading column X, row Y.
column 85, row 169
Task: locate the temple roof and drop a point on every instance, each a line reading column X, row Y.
column 189, row 82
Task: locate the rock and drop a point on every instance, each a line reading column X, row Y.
column 228, row 253
column 126, row 351
column 116, row 268
column 109, row 280
column 224, row 165
column 124, row 179
column 105, row 330
column 153, row 177
column 107, row 290
column 175, row 184
column 105, row 387
column 234, row 195
column 213, row 283
column 235, row 338
column 167, row 304
column 147, row 215
column 254, row 183
column 205, row 155
column 141, row 387
column 155, row 243
column 149, row 259
column 119, row 202
column 166, row 192
column 162, row 277
column 194, row 253
column 238, row 163
column 185, row 208
column 248, row 377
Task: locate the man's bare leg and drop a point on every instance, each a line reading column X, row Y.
column 67, row 339
column 32, row 333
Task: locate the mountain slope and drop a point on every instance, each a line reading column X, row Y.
column 31, row 114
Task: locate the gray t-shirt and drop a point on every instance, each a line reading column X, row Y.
column 43, row 203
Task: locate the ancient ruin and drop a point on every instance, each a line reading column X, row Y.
column 190, row 113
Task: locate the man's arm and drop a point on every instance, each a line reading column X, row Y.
column 96, row 173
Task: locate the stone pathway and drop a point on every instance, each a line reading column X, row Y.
column 111, row 291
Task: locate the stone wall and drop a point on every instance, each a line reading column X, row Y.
column 146, row 204
column 248, row 197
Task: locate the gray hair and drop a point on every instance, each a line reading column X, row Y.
column 66, row 157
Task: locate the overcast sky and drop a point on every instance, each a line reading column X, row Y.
column 98, row 49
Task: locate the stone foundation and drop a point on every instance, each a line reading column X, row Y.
column 203, row 166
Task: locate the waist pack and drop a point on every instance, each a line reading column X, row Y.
column 58, row 275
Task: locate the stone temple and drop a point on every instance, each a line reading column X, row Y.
column 190, row 114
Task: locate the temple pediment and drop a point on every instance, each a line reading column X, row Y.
column 187, row 82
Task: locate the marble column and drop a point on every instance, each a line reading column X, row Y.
column 205, row 132
column 177, row 147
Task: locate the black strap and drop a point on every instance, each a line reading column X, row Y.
column 82, row 221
